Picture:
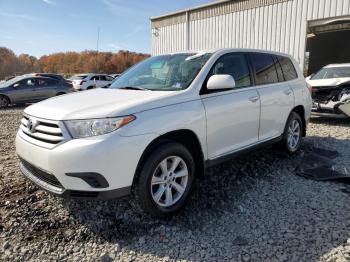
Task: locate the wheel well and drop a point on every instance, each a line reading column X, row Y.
column 6, row 98
column 185, row 137
column 301, row 112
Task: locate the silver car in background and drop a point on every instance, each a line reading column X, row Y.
column 30, row 89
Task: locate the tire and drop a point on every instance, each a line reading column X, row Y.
column 4, row 102
column 155, row 199
column 89, row 87
column 61, row 93
column 293, row 133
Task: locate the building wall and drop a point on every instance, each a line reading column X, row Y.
column 279, row 25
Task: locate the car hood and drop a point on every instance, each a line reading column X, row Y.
column 99, row 103
column 327, row 82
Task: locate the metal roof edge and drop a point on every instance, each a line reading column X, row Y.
column 152, row 18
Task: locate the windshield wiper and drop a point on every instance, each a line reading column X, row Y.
column 133, row 88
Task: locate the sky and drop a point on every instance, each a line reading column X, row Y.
column 42, row 27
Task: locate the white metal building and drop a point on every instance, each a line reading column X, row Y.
column 296, row 27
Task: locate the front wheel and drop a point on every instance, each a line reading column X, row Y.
column 164, row 182
column 4, row 102
column 293, row 133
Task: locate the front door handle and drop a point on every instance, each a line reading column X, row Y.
column 287, row 92
column 253, row 99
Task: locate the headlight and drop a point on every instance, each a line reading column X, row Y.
column 96, row 127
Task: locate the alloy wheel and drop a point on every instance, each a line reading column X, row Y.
column 294, row 132
column 169, row 181
column 3, row 102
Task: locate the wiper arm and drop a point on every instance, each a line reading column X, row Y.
column 133, row 88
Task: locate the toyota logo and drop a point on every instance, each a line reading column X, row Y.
column 31, row 124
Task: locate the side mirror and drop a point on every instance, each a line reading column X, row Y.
column 221, row 82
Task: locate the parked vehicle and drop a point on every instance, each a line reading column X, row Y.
column 30, row 89
column 115, row 75
column 161, row 124
column 331, row 89
column 55, row 76
column 90, row 81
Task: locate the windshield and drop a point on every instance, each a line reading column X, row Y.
column 11, row 81
column 165, row 73
column 78, row 77
column 334, row 72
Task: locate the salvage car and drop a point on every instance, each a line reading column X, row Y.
column 161, row 124
column 30, row 89
column 331, row 89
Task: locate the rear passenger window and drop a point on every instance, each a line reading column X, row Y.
column 234, row 64
column 288, row 68
column 42, row 82
column 264, row 67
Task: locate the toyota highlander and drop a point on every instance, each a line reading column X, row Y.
column 161, row 124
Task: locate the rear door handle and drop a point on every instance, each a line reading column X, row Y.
column 287, row 92
column 253, row 99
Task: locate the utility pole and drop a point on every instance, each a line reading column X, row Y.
column 98, row 38
column 97, row 46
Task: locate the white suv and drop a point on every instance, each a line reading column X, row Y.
column 90, row 81
column 161, row 124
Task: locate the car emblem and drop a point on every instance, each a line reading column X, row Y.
column 31, row 124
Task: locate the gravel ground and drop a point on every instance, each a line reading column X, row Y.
column 253, row 208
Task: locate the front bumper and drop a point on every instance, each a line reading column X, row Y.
column 331, row 109
column 75, row 194
column 113, row 156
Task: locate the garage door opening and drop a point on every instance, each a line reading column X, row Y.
column 327, row 43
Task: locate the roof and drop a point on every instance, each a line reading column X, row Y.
column 214, row 3
column 337, row 65
column 215, row 8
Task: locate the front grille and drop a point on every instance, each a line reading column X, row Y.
column 44, row 131
column 42, row 175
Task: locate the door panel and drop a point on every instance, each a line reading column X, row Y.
column 276, row 97
column 45, row 88
column 24, row 91
column 232, row 121
column 232, row 115
column 277, row 101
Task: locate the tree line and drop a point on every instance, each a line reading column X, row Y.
column 67, row 63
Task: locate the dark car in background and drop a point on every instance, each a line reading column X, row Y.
column 51, row 75
column 30, row 89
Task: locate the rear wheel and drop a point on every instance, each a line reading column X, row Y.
column 293, row 133
column 4, row 102
column 164, row 182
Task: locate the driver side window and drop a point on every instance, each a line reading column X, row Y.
column 234, row 64
column 30, row 82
